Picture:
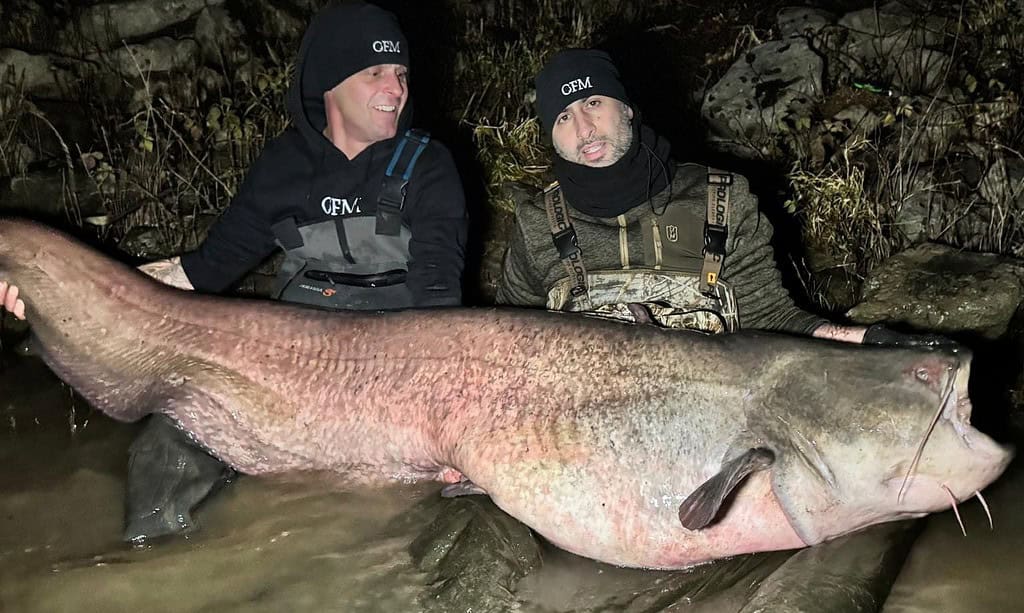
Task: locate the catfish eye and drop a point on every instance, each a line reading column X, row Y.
column 921, row 374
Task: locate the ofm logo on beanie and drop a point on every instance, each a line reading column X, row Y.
column 573, row 74
column 576, row 85
column 387, row 46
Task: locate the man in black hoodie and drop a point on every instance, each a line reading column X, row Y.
column 628, row 234
column 370, row 216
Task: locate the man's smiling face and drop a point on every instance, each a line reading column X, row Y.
column 370, row 102
column 593, row 131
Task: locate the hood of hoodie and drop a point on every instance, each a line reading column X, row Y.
column 322, row 62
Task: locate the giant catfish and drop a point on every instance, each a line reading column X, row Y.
column 628, row 444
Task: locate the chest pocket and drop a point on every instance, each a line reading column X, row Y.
column 672, row 298
column 343, row 263
column 674, row 241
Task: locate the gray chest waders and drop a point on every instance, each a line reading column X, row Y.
column 672, row 292
column 357, row 262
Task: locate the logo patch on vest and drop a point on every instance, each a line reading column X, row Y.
column 576, row 85
column 340, row 206
column 387, row 46
column 326, row 292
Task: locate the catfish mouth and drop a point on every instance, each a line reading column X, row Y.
column 984, row 460
column 961, row 462
column 956, row 405
column 955, row 410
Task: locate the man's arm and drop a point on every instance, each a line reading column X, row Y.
column 846, row 334
column 880, row 334
column 519, row 284
column 437, row 218
column 750, row 269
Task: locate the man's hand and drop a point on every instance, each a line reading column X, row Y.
column 835, row 332
column 169, row 272
column 878, row 334
column 9, row 300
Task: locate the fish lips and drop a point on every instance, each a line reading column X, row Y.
column 823, row 500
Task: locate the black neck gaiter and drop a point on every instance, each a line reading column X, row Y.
column 643, row 172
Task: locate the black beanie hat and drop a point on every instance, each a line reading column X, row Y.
column 342, row 40
column 571, row 75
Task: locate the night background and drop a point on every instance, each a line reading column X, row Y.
column 884, row 142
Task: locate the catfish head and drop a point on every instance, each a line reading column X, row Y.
column 864, row 435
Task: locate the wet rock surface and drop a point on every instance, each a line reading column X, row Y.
column 933, row 287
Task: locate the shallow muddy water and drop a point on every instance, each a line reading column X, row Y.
column 298, row 544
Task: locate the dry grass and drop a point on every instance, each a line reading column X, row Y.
column 165, row 167
column 838, row 215
column 170, row 164
column 850, row 202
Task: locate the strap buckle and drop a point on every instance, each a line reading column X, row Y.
column 715, row 237
column 566, row 243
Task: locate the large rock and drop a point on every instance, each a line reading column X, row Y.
column 161, row 54
column 893, row 28
column 34, row 74
column 893, row 43
column 852, row 574
column 1003, row 184
column 919, row 70
column 930, row 131
column 16, row 160
column 106, row 25
column 802, row 21
column 859, row 120
column 920, row 213
column 990, row 119
column 475, row 554
column 938, row 288
column 277, row 23
column 220, row 38
column 774, row 83
column 44, row 194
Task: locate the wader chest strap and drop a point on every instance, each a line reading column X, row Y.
column 564, row 237
column 339, row 228
column 716, row 229
column 286, row 231
column 391, row 200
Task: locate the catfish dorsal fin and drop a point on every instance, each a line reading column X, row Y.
column 700, row 508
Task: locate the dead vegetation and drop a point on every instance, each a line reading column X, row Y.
column 168, row 153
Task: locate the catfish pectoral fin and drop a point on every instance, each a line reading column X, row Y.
column 462, row 488
column 700, row 508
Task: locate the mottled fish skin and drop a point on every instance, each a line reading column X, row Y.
column 591, row 432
